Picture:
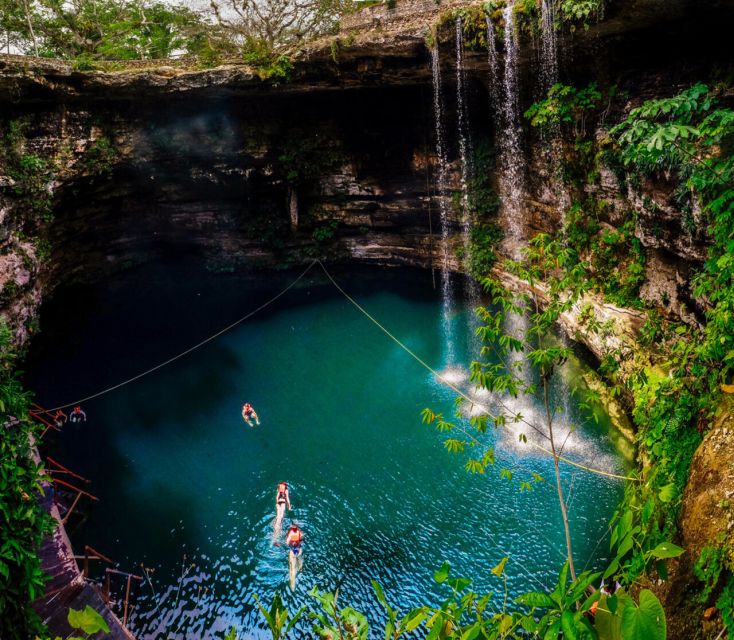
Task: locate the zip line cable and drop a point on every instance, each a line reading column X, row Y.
column 190, row 349
column 456, row 389
column 366, row 313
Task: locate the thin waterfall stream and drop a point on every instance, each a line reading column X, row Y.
column 466, row 152
column 549, row 76
column 509, row 136
column 447, row 300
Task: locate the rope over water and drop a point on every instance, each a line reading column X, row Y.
column 372, row 319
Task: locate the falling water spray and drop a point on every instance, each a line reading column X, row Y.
column 509, row 137
column 447, row 302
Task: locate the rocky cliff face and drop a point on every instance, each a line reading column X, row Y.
column 338, row 162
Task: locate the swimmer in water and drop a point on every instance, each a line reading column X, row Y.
column 282, row 501
column 78, row 415
column 60, row 419
column 294, row 540
column 248, row 414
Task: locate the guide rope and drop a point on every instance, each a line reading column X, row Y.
column 456, row 389
column 190, row 349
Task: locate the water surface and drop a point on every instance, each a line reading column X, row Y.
column 188, row 489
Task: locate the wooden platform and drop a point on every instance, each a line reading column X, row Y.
column 67, row 587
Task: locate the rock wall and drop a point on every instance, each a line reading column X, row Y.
column 339, row 162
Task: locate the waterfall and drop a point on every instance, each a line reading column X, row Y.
column 462, row 121
column 504, row 94
column 466, row 154
column 509, row 138
column 549, row 46
column 494, row 67
column 447, row 302
column 548, row 75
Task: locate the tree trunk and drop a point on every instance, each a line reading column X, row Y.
column 293, row 207
column 559, row 486
column 30, row 26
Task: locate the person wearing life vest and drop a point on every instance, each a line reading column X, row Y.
column 294, row 540
column 248, row 414
column 77, row 415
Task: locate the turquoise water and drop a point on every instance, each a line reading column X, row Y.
column 188, row 489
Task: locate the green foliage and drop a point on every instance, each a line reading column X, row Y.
column 325, row 232
column 689, row 137
column 23, row 523
column 99, row 156
column 708, row 568
column 581, row 12
column 617, row 264
column 306, row 157
column 483, row 238
column 90, row 30
column 474, row 26
column 620, row 618
column 31, row 175
column 88, row 621
column 482, row 206
column 725, row 604
column 277, row 617
column 565, row 106
column 269, row 65
column 332, row 622
column 482, row 199
column 563, row 613
column 692, row 137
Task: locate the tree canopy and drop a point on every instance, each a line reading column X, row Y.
column 89, row 30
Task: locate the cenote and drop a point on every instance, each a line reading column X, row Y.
column 187, row 489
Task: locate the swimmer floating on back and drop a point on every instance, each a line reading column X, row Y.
column 248, row 414
column 282, row 501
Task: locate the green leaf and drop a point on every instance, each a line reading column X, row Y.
column 562, row 579
column 607, row 623
column 413, row 619
column 500, row 568
column 536, row 599
column 442, row 573
column 294, row 619
column 667, row 493
column 568, row 626
column 666, row 550
column 87, row 620
column 436, row 628
column 459, row 584
column 472, row 632
column 553, row 630
column 646, row 621
column 379, row 593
